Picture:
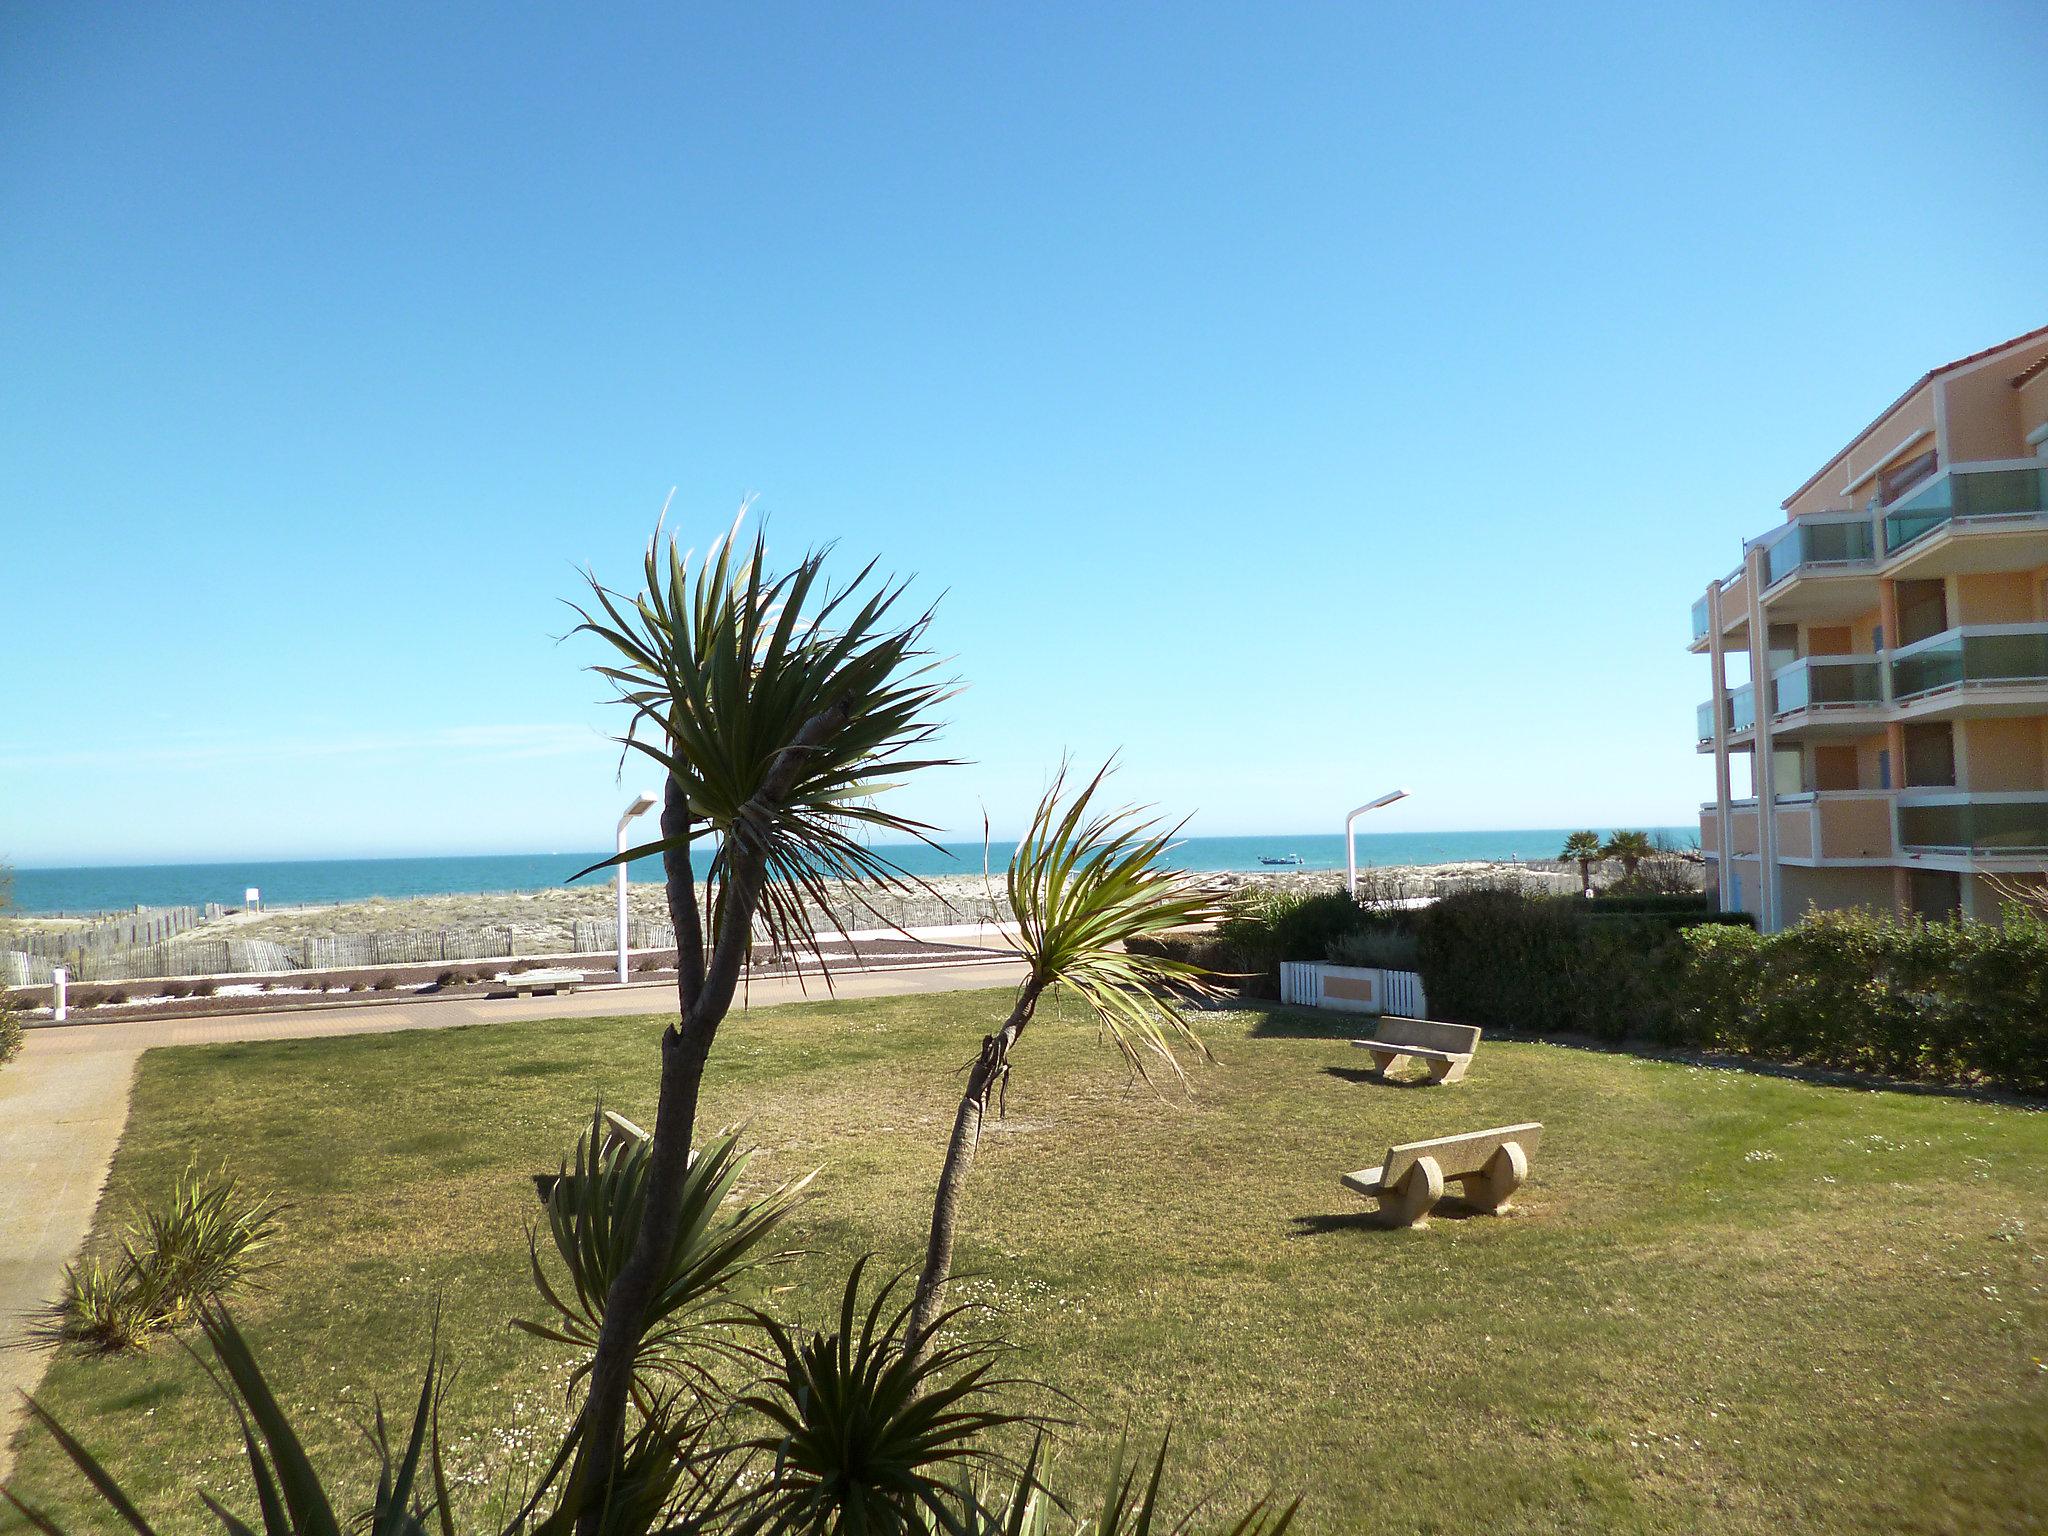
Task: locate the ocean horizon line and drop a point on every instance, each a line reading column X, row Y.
column 60, row 890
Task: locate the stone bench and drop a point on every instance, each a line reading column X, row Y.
column 1445, row 1049
column 1488, row 1167
column 548, row 981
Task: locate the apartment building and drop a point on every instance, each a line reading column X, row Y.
column 1879, row 710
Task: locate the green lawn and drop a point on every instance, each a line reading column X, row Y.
column 1725, row 1302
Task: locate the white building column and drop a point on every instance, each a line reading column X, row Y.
column 1770, row 893
column 1717, row 653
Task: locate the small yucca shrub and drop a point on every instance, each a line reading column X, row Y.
column 197, row 1246
column 100, row 1311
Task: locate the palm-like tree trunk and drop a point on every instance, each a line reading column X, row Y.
column 982, row 1081
column 704, row 993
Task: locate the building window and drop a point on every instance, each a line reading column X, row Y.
column 1901, row 478
column 1930, row 756
column 1923, row 609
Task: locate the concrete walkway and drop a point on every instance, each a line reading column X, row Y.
column 64, row 1103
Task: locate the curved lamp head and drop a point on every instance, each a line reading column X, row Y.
column 645, row 801
column 1388, row 799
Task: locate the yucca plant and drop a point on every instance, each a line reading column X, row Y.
column 779, row 707
column 865, row 1435
column 594, row 1211
column 1083, row 882
column 174, row 1258
column 99, row 1311
column 1129, row 1505
column 199, row 1244
column 291, row 1499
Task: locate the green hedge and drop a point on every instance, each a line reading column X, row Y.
column 1958, row 1001
column 1543, row 965
column 10, row 1029
column 1954, row 1001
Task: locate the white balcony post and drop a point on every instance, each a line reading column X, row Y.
column 645, row 801
column 1717, row 655
column 1351, row 847
column 58, row 977
column 1763, row 757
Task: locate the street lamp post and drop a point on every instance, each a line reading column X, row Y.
column 1350, row 847
column 646, row 801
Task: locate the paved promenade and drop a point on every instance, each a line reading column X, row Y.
column 64, row 1102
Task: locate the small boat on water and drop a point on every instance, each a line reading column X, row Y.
column 1285, row 858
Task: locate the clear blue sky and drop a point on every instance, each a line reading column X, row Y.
column 1304, row 399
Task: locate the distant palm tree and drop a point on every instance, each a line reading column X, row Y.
column 1583, row 849
column 1631, row 848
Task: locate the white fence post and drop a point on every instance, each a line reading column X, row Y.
column 57, row 1009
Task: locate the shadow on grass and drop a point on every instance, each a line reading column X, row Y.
column 1449, row 1208
column 1371, row 1076
column 1302, row 1024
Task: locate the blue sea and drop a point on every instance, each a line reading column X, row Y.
column 114, row 888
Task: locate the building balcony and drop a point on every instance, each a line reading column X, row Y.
column 1819, row 695
column 1978, row 496
column 1975, row 668
column 1840, row 827
column 2010, row 826
column 1847, row 826
column 1741, row 714
column 1822, row 566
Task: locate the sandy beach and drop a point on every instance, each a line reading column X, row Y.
column 544, row 921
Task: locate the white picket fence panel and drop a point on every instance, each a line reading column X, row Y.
column 1352, row 989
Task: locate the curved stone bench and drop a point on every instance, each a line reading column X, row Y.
column 1488, row 1166
column 1445, row 1049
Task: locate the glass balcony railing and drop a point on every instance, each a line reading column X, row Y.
column 1828, row 682
column 1978, row 826
column 1965, row 493
column 1699, row 620
column 1828, row 542
column 1970, row 657
column 1741, row 713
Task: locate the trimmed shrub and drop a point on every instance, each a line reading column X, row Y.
column 1955, row 1001
column 1540, row 964
column 1222, row 957
column 10, row 1029
column 1379, row 945
column 1267, row 925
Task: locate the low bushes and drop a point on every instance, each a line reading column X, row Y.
column 1227, row 959
column 197, row 1246
column 1957, row 1001
column 10, row 1029
column 1506, row 961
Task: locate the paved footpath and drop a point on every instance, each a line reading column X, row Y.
column 64, row 1102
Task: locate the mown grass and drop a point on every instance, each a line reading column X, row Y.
column 1726, row 1302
